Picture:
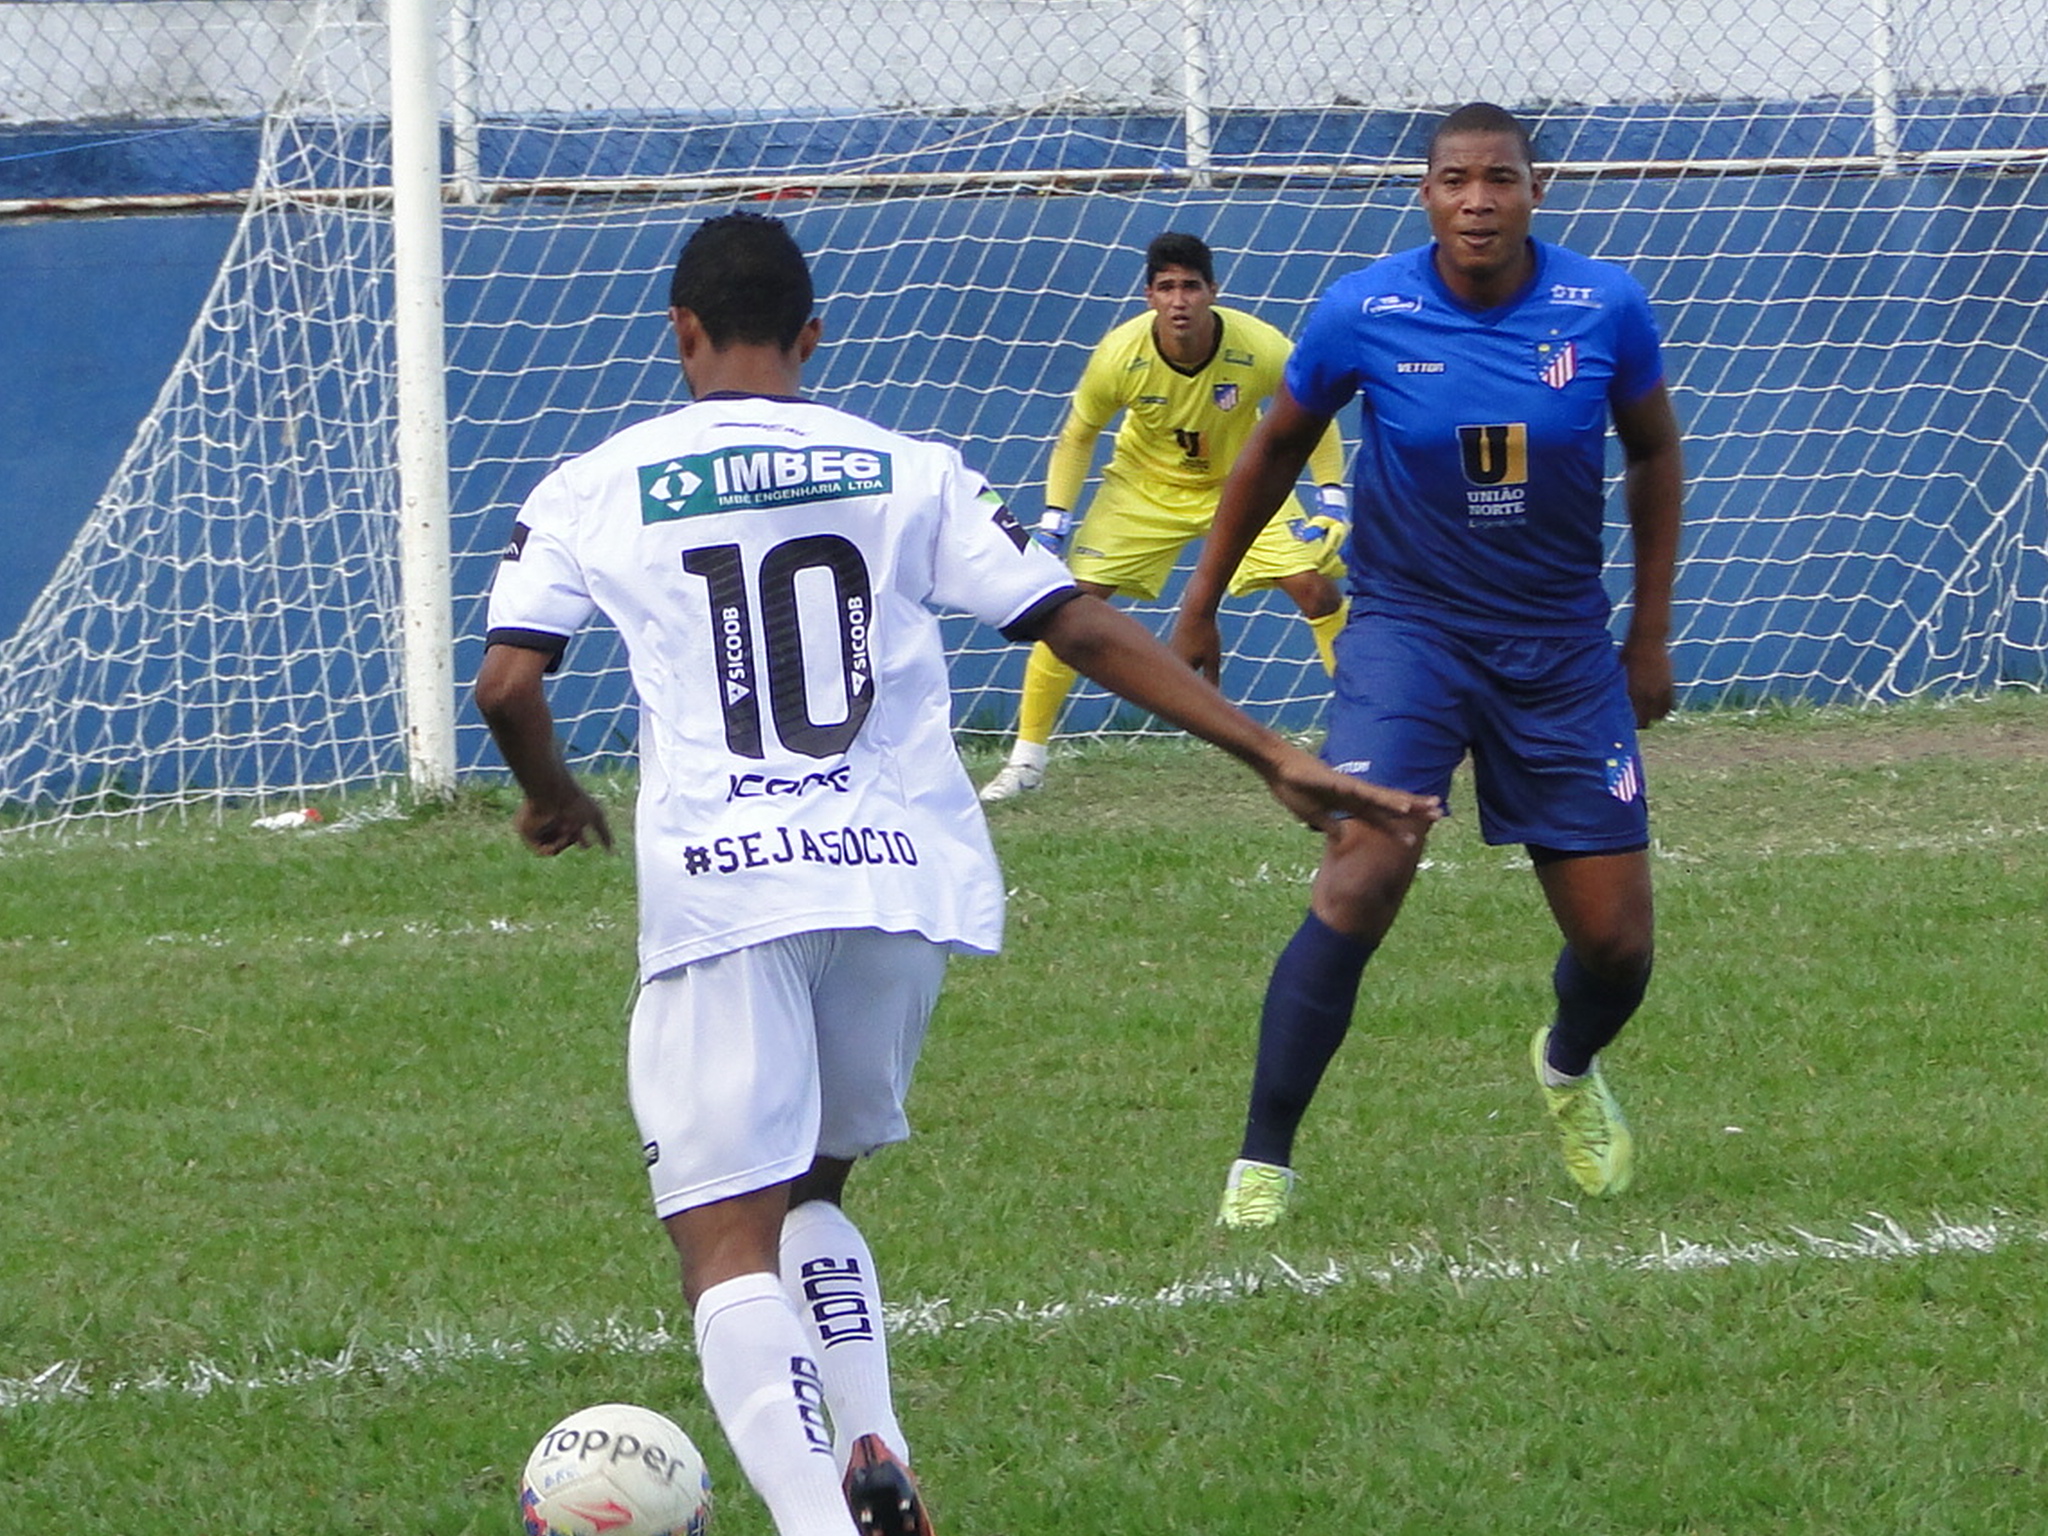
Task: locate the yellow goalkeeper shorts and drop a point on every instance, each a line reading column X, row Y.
column 1131, row 540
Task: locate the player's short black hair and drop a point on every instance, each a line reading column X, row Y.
column 1483, row 117
column 1178, row 249
column 745, row 280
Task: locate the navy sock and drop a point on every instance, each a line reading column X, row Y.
column 1590, row 1013
column 1306, row 1016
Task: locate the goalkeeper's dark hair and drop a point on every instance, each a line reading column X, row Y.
column 1176, row 248
column 1484, row 117
column 745, row 280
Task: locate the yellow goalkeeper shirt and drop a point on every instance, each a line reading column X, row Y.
column 1182, row 429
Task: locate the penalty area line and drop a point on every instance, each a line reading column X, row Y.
column 436, row 1352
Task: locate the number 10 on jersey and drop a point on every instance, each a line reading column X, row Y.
column 816, row 561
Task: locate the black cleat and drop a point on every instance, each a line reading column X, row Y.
column 881, row 1492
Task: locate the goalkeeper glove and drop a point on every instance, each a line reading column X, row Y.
column 1053, row 528
column 1333, row 505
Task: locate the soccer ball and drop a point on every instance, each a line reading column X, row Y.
column 615, row 1470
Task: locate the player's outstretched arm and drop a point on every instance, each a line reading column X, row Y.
column 1122, row 655
column 557, row 813
column 1259, row 482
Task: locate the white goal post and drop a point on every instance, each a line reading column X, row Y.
column 454, row 221
column 418, row 320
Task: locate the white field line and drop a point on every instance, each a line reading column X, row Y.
column 349, row 937
column 1959, row 840
column 1877, row 1239
column 1953, row 840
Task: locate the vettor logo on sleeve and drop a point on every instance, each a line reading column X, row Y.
column 753, row 477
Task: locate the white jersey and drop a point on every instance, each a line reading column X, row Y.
column 774, row 567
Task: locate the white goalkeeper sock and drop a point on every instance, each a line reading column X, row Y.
column 764, row 1387
column 830, row 1277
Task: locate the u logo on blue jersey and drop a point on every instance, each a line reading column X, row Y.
column 1495, row 455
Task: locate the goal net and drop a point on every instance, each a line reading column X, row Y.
column 1837, row 206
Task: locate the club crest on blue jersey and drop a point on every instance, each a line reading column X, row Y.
column 1225, row 396
column 1624, row 779
column 1558, row 365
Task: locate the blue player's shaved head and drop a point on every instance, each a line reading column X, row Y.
column 1483, row 117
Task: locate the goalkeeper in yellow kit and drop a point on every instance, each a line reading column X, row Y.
column 1190, row 377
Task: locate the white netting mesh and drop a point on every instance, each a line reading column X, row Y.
column 1838, row 211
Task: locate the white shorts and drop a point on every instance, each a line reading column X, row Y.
column 744, row 1067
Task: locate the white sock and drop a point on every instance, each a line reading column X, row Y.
column 1028, row 754
column 764, row 1387
column 830, row 1277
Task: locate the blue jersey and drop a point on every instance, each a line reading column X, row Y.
column 1479, row 490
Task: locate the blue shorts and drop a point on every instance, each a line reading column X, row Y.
column 1547, row 721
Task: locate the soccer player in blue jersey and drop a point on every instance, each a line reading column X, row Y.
column 1489, row 366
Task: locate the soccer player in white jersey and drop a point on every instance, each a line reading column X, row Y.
column 1188, row 376
column 809, row 847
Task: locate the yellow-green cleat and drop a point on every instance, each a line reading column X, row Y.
column 1255, row 1195
column 1599, row 1152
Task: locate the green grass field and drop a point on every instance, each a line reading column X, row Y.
column 322, row 1201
